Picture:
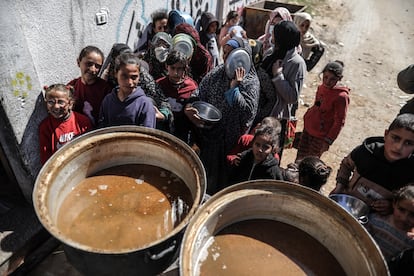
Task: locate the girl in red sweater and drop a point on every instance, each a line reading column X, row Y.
column 62, row 124
column 324, row 120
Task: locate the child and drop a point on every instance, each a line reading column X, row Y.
column 313, row 172
column 158, row 24
column 231, row 28
column 178, row 87
column 405, row 81
column 62, row 124
column 380, row 165
column 246, row 140
column 312, row 48
column 208, row 37
column 325, row 119
column 89, row 88
column 127, row 104
column 395, row 232
column 157, row 53
column 258, row 162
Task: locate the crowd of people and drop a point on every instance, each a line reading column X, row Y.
column 176, row 63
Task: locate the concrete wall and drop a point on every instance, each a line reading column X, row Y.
column 40, row 42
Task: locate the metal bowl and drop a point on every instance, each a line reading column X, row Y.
column 207, row 112
column 352, row 205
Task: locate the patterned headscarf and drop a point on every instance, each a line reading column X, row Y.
column 284, row 14
column 307, row 39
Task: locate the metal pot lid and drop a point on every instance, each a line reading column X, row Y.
column 237, row 58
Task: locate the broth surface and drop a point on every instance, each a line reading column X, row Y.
column 124, row 207
column 267, row 247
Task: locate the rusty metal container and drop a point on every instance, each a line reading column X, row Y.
column 105, row 148
column 327, row 222
column 256, row 15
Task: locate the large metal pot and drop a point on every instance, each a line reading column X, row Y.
column 327, row 222
column 103, row 149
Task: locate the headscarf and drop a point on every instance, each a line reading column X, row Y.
column 233, row 43
column 284, row 14
column 201, row 62
column 288, row 37
column 307, row 40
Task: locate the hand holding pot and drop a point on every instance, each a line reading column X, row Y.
column 240, row 73
column 192, row 115
column 382, row 206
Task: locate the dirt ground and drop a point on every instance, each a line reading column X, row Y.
column 375, row 40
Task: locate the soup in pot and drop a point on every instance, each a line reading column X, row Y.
column 124, row 207
column 266, row 247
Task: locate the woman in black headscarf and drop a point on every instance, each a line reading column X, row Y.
column 287, row 70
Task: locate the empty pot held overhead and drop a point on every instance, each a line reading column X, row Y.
column 237, row 58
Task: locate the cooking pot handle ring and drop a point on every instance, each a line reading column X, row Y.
column 363, row 219
column 155, row 257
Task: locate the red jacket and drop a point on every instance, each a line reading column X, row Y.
column 326, row 117
column 54, row 133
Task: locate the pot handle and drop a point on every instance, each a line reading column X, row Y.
column 155, row 257
column 363, row 219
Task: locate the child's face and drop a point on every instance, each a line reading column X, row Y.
column 160, row 25
column 176, row 72
column 276, row 19
column 128, row 78
column 58, row 104
column 212, row 28
column 90, row 66
column 399, row 144
column 262, row 147
column 234, row 21
column 226, row 51
column 304, row 27
column 403, row 214
column 329, row 79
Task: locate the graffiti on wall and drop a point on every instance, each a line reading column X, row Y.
column 192, row 7
column 21, row 84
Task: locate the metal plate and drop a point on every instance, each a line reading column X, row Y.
column 237, row 58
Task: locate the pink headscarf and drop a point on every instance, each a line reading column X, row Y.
column 284, row 14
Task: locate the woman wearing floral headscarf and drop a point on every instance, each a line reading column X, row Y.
column 275, row 17
column 237, row 99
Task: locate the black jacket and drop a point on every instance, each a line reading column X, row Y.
column 247, row 170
